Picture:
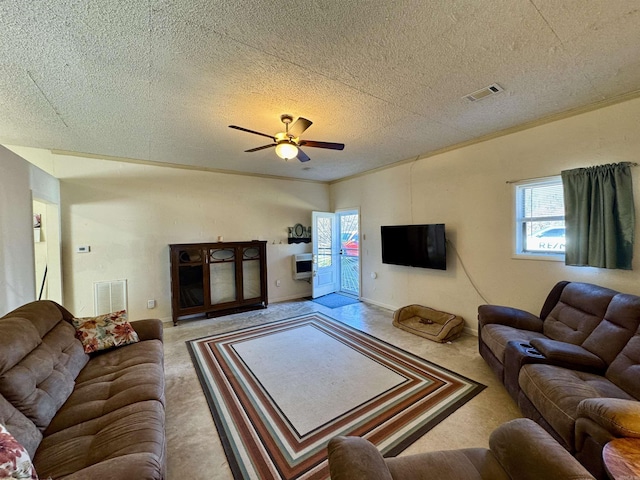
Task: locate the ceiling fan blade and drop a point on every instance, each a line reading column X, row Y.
column 253, row 131
column 332, row 146
column 299, row 126
column 261, row 148
column 303, row 157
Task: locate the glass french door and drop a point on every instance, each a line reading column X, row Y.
column 324, row 238
column 336, row 253
column 349, row 251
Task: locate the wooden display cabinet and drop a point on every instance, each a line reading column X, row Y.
column 216, row 279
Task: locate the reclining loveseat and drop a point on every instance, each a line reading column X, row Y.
column 575, row 368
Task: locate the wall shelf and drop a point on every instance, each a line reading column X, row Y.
column 299, row 240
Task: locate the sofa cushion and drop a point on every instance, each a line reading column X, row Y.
column 111, row 381
column 13, row 351
column 580, row 309
column 556, row 392
column 624, row 371
column 134, row 432
column 496, row 336
column 43, row 379
column 20, row 426
column 42, row 314
column 130, row 466
column 619, row 324
column 15, row 461
column 112, row 361
column 104, row 331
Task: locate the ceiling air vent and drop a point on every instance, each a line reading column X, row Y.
column 484, row 92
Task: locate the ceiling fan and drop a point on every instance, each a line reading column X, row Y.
column 288, row 143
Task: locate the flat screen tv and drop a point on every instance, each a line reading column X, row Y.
column 415, row 245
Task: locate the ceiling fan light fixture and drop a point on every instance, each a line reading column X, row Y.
column 287, row 143
column 286, row 150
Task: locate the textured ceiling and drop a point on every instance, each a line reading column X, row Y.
column 161, row 80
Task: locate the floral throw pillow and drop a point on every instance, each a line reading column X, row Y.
column 14, row 459
column 104, row 331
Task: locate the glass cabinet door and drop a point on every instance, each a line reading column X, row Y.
column 222, row 275
column 251, row 278
column 191, row 279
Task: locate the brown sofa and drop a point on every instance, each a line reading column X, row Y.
column 575, row 368
column 519, row 450
column 98, row 416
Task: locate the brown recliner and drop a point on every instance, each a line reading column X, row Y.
column 519, row 449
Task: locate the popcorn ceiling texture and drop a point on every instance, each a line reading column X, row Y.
column 161, row 80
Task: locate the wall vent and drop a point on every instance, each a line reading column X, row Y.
column 484, row 92
column 109, row 296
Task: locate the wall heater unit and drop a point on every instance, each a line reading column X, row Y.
column 301, row 266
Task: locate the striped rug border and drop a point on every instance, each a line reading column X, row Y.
column 407, row 415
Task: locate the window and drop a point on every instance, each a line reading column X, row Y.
column 540, row 218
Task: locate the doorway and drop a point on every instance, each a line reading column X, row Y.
column 48, row 262
column 336, row 253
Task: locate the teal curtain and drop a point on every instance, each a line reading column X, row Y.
column 599, row 216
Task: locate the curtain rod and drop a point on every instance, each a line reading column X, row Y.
column 631, row 164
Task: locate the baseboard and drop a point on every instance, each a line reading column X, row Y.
column 468, row 330
column 298, row 296
column 378, row 304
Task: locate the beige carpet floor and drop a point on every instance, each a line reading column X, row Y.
column 194, row 449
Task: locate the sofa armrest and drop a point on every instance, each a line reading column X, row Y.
column 544, row 458
column 512, row 317
column 354, row 458
column 568, row 355
column 618, row 416
column 148, row 329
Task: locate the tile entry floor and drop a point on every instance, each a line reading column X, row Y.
column 194, row 450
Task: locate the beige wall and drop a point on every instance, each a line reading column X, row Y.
column 17, row 276
column 466, row 189
column 20, row 182
column 128, row 214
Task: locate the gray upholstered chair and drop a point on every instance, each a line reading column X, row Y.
column 519, row 449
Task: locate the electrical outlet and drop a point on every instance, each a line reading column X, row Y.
column 278, row 283
column 151, row 304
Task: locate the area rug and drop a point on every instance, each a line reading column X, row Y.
column 279, row 392
column 335, row 300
